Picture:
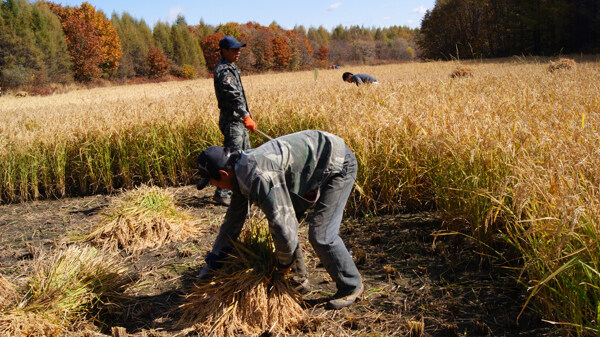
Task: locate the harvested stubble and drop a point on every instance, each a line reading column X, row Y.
column 246, row 295
column 462, row 72
column 66, row 288
column 563, row 63
column 142, row 218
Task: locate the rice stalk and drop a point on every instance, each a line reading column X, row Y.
column 246, row 295
column 142, row 218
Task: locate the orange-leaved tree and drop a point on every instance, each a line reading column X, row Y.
column 92, row 40
column 282, row 52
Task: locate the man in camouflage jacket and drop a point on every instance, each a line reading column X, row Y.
column 285, row 177
column 234, row 119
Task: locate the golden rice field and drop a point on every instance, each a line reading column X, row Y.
column 509, row 155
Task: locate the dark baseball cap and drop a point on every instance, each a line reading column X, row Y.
column 211, row 160
column 229, row 42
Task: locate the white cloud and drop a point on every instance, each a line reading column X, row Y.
column 174, row 12
column 420, row 10
column 387, row 18
column 334, row 6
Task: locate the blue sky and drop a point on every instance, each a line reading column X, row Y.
column 328, row 13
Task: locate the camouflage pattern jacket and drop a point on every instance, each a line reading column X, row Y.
column 283, row 177
column 229, row 91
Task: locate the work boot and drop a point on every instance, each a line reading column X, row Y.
column 300, row 283
column 340, row 300
column 223, row 201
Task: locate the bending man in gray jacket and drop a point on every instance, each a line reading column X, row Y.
column 285, row 177
column 358, row 79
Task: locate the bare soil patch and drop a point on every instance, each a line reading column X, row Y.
column 415, row 284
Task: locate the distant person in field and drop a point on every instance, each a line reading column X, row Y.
column 0, row 91
column 285, row 177
column 234, row 119
column 359, row 79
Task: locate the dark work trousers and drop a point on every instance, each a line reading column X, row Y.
column 324, row 225
column 235, row 138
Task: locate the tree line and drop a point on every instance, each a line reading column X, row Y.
column 497, row 28
column 44, row 42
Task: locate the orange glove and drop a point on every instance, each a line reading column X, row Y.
column 249, row 123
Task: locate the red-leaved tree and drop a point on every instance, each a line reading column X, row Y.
column 158, row 64
column 210, row 48
column 323, row 56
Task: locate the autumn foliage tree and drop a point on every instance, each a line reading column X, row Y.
column 157, row 62
column 281, row 52
column 301, row 51
column 261, row 45
column 92, row 40
column 323, row 56
column 210, row 48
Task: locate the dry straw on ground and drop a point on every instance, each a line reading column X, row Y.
column 462, row 72
column 8, row 294
column 142, row 218
column 246, row 295
column 563, row 63
column 24, row 324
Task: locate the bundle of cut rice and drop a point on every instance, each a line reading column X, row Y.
column 247, row 295
column 17, row 323
column 563, row 63
column 142, row 218
column 76, row 282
